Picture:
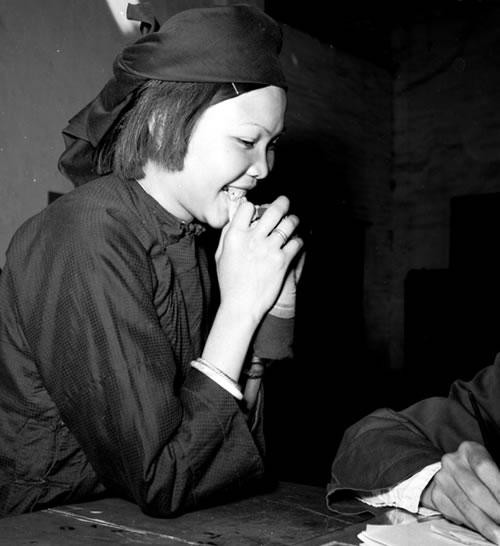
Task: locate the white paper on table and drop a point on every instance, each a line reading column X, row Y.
column 432, row 532
column 460, row 534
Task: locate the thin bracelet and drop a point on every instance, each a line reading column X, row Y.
column 257, row 367
column 228, row 382
column 255, row 371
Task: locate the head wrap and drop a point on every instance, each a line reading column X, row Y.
column 238, row 43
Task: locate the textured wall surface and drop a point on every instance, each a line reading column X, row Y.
column 55, row 56
column 446, row 140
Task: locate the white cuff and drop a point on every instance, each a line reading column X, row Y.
column 407, row 493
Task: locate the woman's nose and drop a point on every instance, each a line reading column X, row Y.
column 260, row 167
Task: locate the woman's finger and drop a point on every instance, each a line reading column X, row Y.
column 285, row 229
column 272, row 216
column 292, row 247
column 243, row 215
column 299, row 266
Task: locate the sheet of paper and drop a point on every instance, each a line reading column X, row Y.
column 432, row 532
column 459, row 534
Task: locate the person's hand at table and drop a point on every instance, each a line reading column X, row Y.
column 467, row 490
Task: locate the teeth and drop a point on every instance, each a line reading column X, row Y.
column 235, row 193
column 235, row 196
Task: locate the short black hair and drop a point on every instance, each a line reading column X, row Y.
column 158, row 125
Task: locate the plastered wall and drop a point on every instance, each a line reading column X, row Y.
column 54, row 56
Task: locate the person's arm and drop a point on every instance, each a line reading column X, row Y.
column 252, row 263
column 154, row 428
column 114, row 375
column 406, row 494
column 251, row 266
column 387, row 447
column 378, row 452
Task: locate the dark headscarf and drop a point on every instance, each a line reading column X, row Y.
column 238, row 43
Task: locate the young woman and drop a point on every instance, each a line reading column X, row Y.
column 117, row 376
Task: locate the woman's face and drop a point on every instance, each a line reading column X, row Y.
column 231, row 146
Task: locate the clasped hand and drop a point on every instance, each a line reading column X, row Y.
column 253, row 257
column 467, row 490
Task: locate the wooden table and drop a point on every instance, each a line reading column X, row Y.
column 289, row 515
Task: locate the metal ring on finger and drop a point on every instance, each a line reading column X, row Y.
column 281, row 233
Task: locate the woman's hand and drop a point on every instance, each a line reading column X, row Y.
column 253, row 257
column 284, row 307
column 467, row 490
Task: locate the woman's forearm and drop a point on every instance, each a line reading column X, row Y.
column 227, row 343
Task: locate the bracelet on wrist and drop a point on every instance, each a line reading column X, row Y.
column 224, row 380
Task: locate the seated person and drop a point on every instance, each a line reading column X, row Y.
column 431, row 455
column 128, row 360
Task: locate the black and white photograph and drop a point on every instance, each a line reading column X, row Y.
column 250, row 272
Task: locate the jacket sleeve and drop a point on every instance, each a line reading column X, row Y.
column 166, row 440
column 387, row 446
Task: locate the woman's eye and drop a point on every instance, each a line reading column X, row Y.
column 246, row 143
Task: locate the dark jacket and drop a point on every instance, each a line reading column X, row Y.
column 103, row 304
column 387, row 446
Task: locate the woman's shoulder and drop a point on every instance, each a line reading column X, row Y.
column 88, row 215
column 99, row 195
column 102, row 200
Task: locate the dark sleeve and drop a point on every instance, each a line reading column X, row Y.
column 274, row 337
column 112, row 373
column 387, row 447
